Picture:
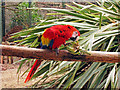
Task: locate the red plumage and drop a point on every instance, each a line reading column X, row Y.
column 32, row 70
column 59, row 34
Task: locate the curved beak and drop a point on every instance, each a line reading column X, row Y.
column 74, row 38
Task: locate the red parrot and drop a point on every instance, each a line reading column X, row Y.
column 52, row 38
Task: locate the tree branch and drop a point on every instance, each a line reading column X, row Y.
column 42, row 54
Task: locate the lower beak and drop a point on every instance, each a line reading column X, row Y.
column 77, row 38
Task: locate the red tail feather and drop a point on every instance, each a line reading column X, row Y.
column 33, row 69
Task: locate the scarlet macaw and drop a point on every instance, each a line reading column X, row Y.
column 52, row 38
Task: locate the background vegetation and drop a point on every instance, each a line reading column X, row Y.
column 99, row 27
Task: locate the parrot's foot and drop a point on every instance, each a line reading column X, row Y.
column 67, row 44
column 82, row 52
column 57, row 51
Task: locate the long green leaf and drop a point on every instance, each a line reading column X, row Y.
column 69, row 13
column 110, row 77
column 86, row 76
column 70, row 80
column 99, row 9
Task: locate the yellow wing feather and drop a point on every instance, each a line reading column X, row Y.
column 45, row 41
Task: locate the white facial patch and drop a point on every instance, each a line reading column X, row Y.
column 75, row 34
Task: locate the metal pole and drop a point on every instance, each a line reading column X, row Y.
column 1, row 57
column 63, row 4
column 30, row 18
column 3, row 18
column 0, row 22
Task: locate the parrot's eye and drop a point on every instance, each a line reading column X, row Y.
column 76, row 33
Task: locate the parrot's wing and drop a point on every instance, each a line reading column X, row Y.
column 47, row 38
column 55, row 37
column 58, row 42
column 50, row 33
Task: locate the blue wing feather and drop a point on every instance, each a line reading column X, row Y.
column 45, row 46
column 51, row 43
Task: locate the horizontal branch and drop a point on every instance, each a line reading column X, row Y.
column 64, row 55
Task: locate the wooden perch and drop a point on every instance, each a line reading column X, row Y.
column 42, row 54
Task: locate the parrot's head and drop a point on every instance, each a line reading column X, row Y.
column 74, row 33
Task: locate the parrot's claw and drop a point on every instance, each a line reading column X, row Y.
column 66, row 44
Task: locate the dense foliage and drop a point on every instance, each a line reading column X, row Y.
column 23, row 17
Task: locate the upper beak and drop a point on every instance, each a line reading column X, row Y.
column 75, row 38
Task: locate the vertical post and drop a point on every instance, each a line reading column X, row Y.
column 2, row 61
column 1, row 57
column 63, row 5
column 30, row 18
column 0, row 22
column 3, row 18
